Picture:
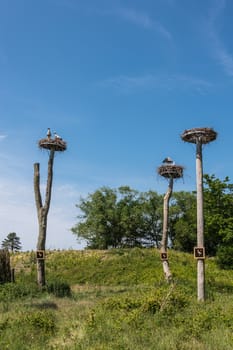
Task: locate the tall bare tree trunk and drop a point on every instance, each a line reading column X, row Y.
column 200, row 222
column 42, row 212
column 163, row 249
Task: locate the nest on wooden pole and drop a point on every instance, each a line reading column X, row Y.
column 55, row 144
column 171, row 171
column 203, row 135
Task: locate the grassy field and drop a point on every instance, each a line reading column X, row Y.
column 116, row 299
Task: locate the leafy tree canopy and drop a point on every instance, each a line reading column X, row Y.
column 120, row 217
column 125, row 217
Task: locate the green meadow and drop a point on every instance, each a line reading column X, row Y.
column 115, row 299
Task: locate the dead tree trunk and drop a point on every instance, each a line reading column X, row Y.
column 163, row 249
column 42, row 212
column 5, row 270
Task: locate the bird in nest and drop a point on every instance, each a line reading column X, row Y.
column 168, row 161
column 49, row 133
column 57, row 137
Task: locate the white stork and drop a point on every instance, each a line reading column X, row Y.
column 49, row 133
column 56, row 136
column 168, row 161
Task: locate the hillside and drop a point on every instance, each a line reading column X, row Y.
column 118, row 299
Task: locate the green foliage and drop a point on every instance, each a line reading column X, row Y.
column 59, row 288
column 218, row 211
column 12, row 291
column 12, row 242
column 182, row 226
column 26, row 330
column 119, row 301
column 40, row 319
column 123, row 217
column 225, row 257
column 119, row 218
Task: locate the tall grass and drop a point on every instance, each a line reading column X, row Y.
column 115, row 300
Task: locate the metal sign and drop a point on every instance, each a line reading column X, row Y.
column 199, row 253
column 163, row 256
column 40, row 254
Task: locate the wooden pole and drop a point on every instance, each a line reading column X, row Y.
column 200, row 222
column 166, row 269
column 42, row 213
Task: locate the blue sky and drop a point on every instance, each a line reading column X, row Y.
column 119, row 81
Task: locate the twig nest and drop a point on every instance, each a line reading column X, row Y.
column 204, row 135
column 171, row 171
column 53, row 144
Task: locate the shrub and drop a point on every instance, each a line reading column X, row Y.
column 43, row 320
column 12, row 291
column 225, row 257
column 60, row 289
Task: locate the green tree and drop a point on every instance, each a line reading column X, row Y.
column 12, row 242
column 218, row 213
column 218, row 217
column 152, row 218
column 130, row 211
column 119, row 218
column 183, row 221
column 98, row 222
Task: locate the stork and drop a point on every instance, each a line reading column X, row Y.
column 168, row 161
column 49, row 133
column 56, row 136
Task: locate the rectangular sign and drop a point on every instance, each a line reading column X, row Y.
column 199, row 253
column 163, row 256
column 40, row 254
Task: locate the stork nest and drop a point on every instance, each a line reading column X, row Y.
column 171, row 171
column 53, row 144
column 205, row 135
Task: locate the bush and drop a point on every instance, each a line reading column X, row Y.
column 60, row 289
column 12, row 291
column 41, row 320
column 224, row 257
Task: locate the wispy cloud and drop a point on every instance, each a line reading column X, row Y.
column 130, row 84
column 138, row 18
column 144, row 20
column 222, row 55
column 2, row 137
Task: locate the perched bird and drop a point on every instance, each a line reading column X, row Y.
column 56, row 136
column 168, row 160
column 49, row 133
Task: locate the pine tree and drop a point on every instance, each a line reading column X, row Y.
column 12, row 242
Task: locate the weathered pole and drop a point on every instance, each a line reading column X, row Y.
column 170, row 171
column 164, row 241
column 42, row 213
column 53, row 145
column 200, row 136
column 200, row 221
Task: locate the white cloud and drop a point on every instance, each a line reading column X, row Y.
column 129, row 84
column 144, row 20
column 220, row 52
column 141, row 19
column 2, row 137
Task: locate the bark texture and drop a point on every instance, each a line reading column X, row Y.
column 42, row 212
column 200, row 222
column 164, row 241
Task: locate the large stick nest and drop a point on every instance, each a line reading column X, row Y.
column 53, row 144
column 171, row 171
column 204, row 135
